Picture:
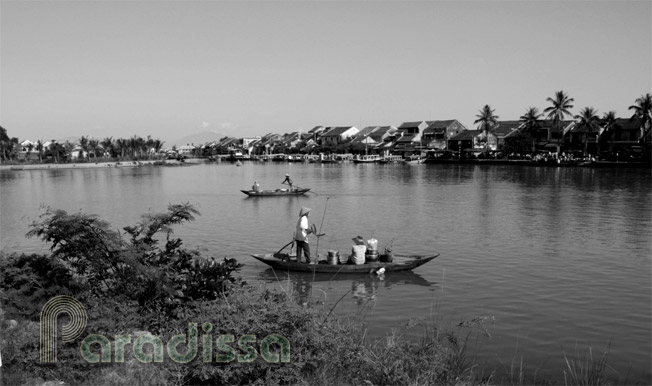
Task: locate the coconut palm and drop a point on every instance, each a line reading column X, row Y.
column 107, row 145
column 610, row 126
column 39, row 149
column 643, row 111
column 559, row 109
column 531, row 121
column 487, row 121
column 588, row 122
column 83, row 143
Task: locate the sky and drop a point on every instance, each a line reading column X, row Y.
column 170, row 69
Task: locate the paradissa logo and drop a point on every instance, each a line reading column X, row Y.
column 273, row 348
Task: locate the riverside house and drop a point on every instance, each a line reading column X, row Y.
column 338, row 135
column 505, row 129
column 437, row 133
column 472, row 142
column 623, row 137
column 411, row 138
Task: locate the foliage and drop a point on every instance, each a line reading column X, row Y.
column 30, row 280
column 643, row 111
column 520, row 142
column 155, row 276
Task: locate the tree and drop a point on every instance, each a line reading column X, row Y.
column 643, row 111
column 57, row 151
column 588, row 123
column 107, row 145
column 487, row 121
column 93, row 146
column 610, row 126
column 39, row 149
column 560, row 108
column 531, row 121
column 133, row 264
column 8, row 146
column 83, row 143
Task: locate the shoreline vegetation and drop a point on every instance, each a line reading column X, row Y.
column 143, row 282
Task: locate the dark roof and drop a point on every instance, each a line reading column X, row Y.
column 337, row 131
column 407, row 125
column 316, row 129
column 378, row 134
column 407, row 138
column 440, row 124
column 505, row 127
column 466, row 135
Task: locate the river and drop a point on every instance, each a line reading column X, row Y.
column 535, row 262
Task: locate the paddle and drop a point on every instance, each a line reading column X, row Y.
column 313, row 229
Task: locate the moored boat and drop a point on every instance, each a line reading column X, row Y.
column 399, row 263
column 276, row 192
column 369, row 158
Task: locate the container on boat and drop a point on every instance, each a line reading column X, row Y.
column 371, row 256
column 333, row 257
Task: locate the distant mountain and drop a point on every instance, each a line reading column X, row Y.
column 197, row 139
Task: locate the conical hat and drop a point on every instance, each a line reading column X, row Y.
column 304, row 211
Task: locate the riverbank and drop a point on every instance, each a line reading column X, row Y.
column 94, row 165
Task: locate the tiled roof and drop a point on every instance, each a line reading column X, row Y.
column 337, row 131
column 406, row 125
column 466, row 135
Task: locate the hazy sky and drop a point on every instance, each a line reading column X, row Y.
column 170, row 69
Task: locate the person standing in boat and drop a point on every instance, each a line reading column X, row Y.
column 287, row 180
column 301, row 235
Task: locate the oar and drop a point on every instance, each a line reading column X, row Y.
column 282, row 248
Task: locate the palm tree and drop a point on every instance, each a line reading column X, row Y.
column 93, row 146
column 107, row 145
column 83, row 143
column 610, row 126
column 39, row 148
column 561, row 105
column 588, row 121
column 643, row 111
column 531, row 121
column 487, row 121
column 121, row 145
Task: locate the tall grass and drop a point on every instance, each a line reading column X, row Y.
column 586, row 371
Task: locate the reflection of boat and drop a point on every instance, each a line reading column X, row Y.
column 403, row 277
column 400, row 263
column 276, row 192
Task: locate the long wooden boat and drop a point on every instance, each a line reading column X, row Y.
column 276, row 192
column 399, row 263
column 367, row 159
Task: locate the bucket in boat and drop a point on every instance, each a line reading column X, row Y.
column 333, row 257
column 371, row 255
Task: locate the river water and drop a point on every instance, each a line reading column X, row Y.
column 536, row 263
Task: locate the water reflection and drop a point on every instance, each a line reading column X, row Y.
column 322, row 288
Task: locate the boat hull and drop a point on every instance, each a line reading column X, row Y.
column 400, row 263
column 277, row 192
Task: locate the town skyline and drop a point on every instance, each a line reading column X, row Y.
column 168, row 69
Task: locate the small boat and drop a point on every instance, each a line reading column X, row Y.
column 399, row 263
column 414, row 161
column 276, row 192
column 367, row 159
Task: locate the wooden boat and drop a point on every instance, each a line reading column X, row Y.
column 367, row 159
column 399, row 263
column 414, row 161
column 276, row 192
